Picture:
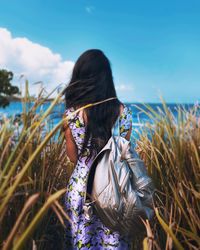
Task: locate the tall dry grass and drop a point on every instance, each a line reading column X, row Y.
column 32, row 180
column 170, row 147
column 34, row 169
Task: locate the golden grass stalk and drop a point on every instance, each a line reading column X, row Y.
column 29, row 230
column 169, row 231
column 170, row 147
column 29, row 203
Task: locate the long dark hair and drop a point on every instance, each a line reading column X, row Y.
column 92, row 81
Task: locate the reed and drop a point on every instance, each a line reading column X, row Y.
column 33, row 175
column 170, row 147
column 34, row 170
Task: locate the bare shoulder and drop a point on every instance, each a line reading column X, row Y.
column 83, row 116
column 121, row 108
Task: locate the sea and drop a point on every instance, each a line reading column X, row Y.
column 139, row 114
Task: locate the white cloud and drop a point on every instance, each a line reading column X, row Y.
column 89, row 9
column 126, row 92
column 124, row 87
column 36, row 62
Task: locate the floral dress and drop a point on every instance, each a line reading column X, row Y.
column 83, row 233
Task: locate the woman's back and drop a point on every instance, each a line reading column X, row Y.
column 82, row 233
column 79, row 121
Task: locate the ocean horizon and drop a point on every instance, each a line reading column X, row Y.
column 15, row 108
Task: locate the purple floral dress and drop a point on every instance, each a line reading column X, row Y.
column 82, row 233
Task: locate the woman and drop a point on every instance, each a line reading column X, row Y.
column 86, row 134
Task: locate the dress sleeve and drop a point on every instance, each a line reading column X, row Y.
column 125, row 120
column 76, row 124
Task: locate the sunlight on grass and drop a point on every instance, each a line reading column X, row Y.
column 170, row 147
column 34, row 170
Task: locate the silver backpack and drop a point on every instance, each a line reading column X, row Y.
column 119, row 189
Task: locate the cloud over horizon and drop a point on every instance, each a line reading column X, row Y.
column 34, row 61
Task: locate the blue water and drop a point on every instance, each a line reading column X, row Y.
column 139, row 117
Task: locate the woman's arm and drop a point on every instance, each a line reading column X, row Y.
column 71, row 147
column 128, row 135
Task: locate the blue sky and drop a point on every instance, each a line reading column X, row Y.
column 153, row 46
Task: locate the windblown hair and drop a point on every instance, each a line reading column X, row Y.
column 91, row 82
